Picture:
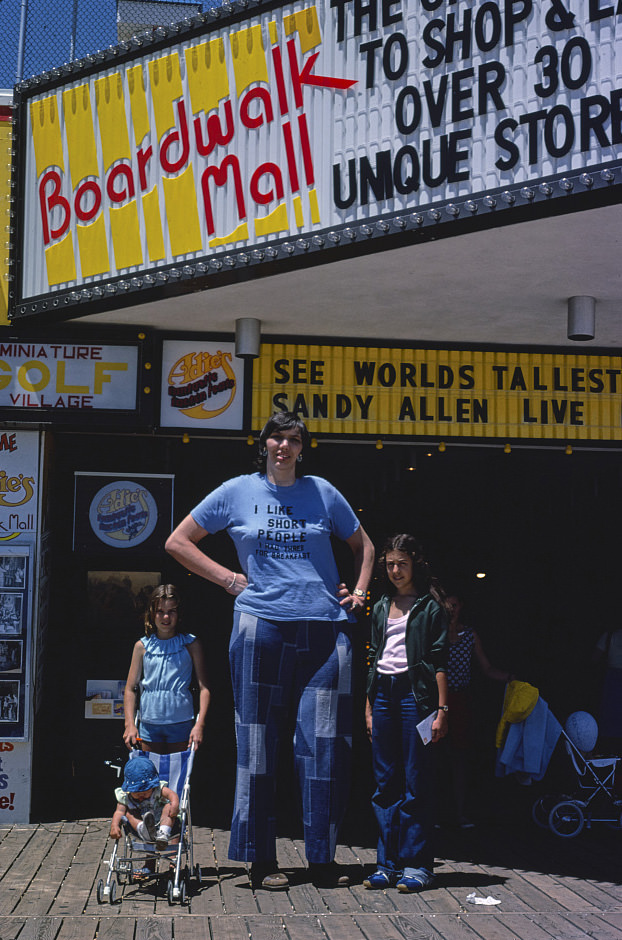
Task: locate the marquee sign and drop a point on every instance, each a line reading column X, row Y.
column 474, row 394
column 300, row 132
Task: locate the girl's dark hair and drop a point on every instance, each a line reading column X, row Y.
column 424, row 580
column 281, row 421
column 166, row 592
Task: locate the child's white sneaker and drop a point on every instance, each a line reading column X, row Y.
column 161, row 840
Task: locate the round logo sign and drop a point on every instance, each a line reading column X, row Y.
column 123, row 514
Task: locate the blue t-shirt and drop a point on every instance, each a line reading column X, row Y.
column 282, row 536
column 165, row 696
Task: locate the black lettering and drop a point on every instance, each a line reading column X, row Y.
column 410, row 183
column 387, row 374
column 380, row 182
column 407, row 374
column 369, row 49
column 593, row 123
column 518, row 380
column 320, row 406
column 350, row 198
column 596, row 382
column 408, row 100
column 398, row 42
column 364, row 372
column 343, row 406
column 467, row 379
column 506, row 163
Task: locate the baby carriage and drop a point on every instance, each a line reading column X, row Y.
column 130, row 855
column 594, row 800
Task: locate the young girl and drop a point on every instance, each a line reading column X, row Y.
column 161, row 666
column 407, row 682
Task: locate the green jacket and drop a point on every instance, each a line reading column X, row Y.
column 426, row 648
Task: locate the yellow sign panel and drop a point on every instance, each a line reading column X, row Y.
column 5, row 176
column 441, row 392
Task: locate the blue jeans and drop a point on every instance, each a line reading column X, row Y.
column 278, row 669
column 403, row 801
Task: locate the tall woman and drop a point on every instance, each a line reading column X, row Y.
column 407, row 683
column 161, row 668
column 290, row 649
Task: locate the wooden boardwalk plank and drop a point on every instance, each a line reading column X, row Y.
column 78, row 928
column 74, row 891
column 381, row 927
column 154, row 928
column 596, row 926
column 46, row 883
column 191, row 927
column 342, row 927
column 40, row 928
column 10, row 927
column 235, row 888
column 116, row 928
column 304, row 927
column 18, row 878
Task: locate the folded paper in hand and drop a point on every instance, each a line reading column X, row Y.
column 425, row 728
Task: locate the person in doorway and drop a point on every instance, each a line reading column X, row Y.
column 407, row 683
column 146, row 804
column 290, row 649
column 161, row 670
column 464, row 647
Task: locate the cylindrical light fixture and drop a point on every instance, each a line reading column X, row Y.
column 581, row 318
column 247, row 337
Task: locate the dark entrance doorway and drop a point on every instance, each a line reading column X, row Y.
column 542, row 526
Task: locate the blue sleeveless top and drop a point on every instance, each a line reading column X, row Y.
column 165, row 697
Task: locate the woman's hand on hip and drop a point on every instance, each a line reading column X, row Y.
column 348, row 599
column 238, row 583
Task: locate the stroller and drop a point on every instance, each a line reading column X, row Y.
column 594, row 800
column 129, row 854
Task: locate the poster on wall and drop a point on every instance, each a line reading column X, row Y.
column 15, row 760
column 14, row 638
column 104, row 698
column 122, row 512
column 202, row 385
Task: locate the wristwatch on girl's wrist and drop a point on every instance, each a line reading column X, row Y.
column 443, row 708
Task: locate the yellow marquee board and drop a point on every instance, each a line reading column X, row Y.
column 445, row 393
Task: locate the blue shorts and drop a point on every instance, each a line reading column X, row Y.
column 160, row 734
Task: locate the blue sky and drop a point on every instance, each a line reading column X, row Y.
column 49, row 30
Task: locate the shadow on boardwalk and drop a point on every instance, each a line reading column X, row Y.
column 566, row 889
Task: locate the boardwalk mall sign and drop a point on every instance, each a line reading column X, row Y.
column 289, row 133
column 442, row 393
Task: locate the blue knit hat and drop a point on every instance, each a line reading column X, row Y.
column 140, row 774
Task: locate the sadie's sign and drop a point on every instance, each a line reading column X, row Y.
column 218, row 152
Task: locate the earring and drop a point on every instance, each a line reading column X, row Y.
column 299, row 458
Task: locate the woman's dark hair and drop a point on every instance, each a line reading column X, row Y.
column 280, row 421
column 424, row 580
column 167, row 592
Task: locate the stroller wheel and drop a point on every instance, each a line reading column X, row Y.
column 113, row 892
column 566, row 819
column 541, row 809
column 169, row 892
column 100, row 892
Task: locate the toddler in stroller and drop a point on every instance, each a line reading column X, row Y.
column 145, row 804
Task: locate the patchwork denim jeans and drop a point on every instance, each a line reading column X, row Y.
column 282, row 669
